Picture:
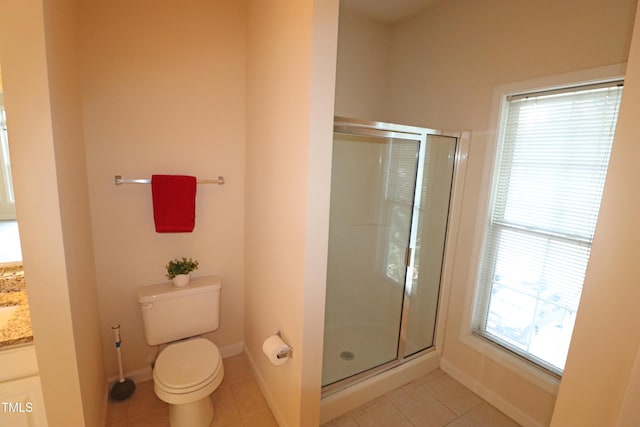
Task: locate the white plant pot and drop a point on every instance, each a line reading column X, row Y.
column 181, row 280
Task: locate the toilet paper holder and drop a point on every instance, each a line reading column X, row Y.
column 287, row 352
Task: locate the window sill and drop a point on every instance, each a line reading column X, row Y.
column 528, row 371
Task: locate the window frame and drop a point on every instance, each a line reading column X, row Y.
column 525, row 368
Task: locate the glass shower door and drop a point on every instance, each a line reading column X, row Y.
column 372, row 195
column 428, row 239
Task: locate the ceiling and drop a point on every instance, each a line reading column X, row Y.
column 389, row 11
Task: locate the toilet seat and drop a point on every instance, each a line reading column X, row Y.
column 188, row 367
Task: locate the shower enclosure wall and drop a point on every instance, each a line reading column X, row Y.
column 391, row 197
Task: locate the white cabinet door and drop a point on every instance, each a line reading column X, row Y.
column 21, row 403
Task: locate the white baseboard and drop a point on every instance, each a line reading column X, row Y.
column 490, row 396
column 232, row 349
column 266, row 392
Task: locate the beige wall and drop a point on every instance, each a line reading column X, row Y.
column 291, row 67
column 446, row 64
column 447, row 61
column 66, row 115
column 323, row 75
column 45, row 206
column 607, row 332
column 364, row 65
column 163, row 92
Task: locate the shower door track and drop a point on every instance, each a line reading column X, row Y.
column 391, row 130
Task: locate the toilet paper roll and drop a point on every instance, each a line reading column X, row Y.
column 274, row 345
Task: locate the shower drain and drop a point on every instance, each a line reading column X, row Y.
column 347, row 355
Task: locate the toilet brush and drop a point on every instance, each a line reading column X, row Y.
column 124, row 387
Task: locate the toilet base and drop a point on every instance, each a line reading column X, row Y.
column 194, row 414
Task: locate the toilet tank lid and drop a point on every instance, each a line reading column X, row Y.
column 167, row 290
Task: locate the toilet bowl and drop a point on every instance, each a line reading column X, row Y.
column 185, row 374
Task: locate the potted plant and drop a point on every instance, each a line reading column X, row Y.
column 179, row 270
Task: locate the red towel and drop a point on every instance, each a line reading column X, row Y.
column 174, row 203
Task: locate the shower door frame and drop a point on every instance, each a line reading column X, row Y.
column 351, row 126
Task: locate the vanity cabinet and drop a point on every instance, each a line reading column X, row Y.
column 21, row 401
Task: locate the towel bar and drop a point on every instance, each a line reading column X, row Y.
column 118, row 181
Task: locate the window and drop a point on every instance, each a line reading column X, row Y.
column 7, row 200
column 547, row 186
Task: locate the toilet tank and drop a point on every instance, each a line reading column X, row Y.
column 171, row 313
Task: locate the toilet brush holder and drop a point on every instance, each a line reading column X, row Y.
column 124, row 387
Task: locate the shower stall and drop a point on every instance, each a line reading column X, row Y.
column 390, row 225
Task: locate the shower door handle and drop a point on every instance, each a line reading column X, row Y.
column 407, row 256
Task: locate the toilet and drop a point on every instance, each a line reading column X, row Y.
column 190, row 368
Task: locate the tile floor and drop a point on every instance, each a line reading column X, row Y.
column 434, row 400
column 238, row 402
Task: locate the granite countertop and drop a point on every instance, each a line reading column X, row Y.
column 13, row 293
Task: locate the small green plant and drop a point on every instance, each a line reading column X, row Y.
column 183, row 266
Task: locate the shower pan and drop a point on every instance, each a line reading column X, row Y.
column 391, row 199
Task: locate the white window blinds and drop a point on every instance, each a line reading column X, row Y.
column 547, row 189
column 400, row 188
